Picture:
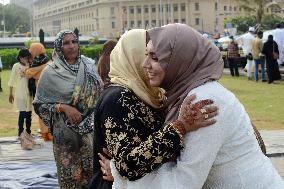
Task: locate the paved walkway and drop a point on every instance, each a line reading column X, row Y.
column 36, row 168
column 274, row 141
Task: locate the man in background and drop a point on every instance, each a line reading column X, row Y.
column 233, row 54
column 246, row 42
column 258, row 58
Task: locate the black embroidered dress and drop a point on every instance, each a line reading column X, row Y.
column 133, row 133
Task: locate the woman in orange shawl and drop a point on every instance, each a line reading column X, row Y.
column 39, row 60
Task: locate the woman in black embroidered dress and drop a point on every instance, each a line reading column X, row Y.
column 128, row 120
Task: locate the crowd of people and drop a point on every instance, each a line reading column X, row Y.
column 153, row 116
column 261, row 56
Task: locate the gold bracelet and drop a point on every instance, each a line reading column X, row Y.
column 179, row 125
column 179, row 129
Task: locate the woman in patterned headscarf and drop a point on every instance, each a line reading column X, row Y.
column 65, row 100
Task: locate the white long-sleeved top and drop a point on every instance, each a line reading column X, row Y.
column 23, row 101
column 225, row 155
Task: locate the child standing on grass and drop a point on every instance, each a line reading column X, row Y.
column 20, row 96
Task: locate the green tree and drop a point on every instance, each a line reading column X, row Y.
column 258, row 7
column 242, row 23
column 16, row 18
column 269, row 21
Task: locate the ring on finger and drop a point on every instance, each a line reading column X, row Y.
column 202, row 110
column 206, row 116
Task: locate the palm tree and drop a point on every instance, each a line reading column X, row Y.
column 258, row 7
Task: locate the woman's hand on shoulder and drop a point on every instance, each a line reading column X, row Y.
column 74, row 116
column 197, row 115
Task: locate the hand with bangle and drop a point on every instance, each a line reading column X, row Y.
column 195, row 116
column 74, row 116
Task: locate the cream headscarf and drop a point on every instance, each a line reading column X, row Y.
column 126, row 69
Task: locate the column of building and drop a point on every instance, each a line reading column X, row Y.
column 127, row 17
column 150, row 15
column 179, row 12
column 187, row 19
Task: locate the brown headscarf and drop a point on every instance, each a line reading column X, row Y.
column 103, row 65
column 189, row 60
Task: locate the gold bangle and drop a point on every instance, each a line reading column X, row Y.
column 179, row 125
column 179, row 129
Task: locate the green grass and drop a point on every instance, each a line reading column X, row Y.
column 263, row 102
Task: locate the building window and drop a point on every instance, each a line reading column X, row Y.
column 216, row 6
column 197, row 21
column 235, row 8
column 153, row 23
column 196, row 6
column 225, row 8
column 112, row 25
column 139, row 23
column 112, row 10
column 146, row 10
column 132, row 24
column 131, row 10
column 153, row 8
column 146, row 24
column 183, row 20
column 124, row 10
column 230, row 8
column 240, row 8
column 182, row 8
column 139, row 10
column 175, row 20
column 175, row 7
column 167, row 7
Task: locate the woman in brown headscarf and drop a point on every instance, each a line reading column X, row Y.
column 223, row 156
column 104, row 61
